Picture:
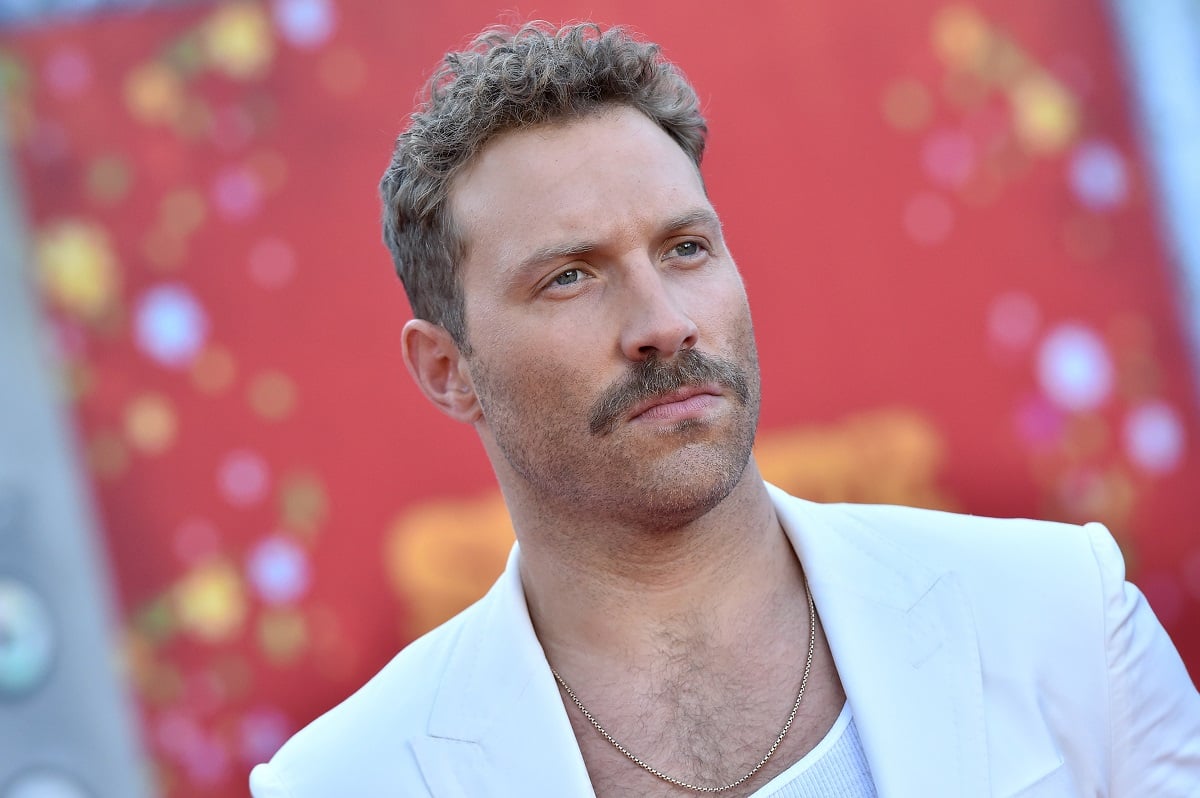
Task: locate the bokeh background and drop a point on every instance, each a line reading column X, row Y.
column 963, row 227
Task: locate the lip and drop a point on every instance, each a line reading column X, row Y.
column 675, row 397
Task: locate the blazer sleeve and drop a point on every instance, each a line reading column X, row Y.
column 1154, row 709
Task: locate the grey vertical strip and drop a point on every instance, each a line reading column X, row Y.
column 65, row 714
column 1161, row 44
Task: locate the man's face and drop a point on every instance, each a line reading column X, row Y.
column 611, row 346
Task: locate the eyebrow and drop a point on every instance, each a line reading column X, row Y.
column 699, row 216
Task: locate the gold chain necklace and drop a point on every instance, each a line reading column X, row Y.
column 812, row 643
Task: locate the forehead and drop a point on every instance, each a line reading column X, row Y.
column 608, row 175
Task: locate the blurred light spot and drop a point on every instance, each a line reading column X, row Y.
column 302, row 503
column 304, row 23
column 237, row 193
column 1013, row 320
column 1098, row 176
column 155, row 621
column 960, row 36
column 237, row 40
column 1046, row 113
column 272, row 263
column 1083, row 493
column 210, row 602
column 906, row 104
column 108, row 179
column 171, row 325
column 1074, row 368
column 150, row 423
column 27, row 639
column 282, row 635
column 154, row 94
column 213, row 369
column 278, row 569
column 1039, row 424
column 242, row 478
column 262, row 732
column 207, row 762
column 68, row 72
column 928, row 218
column 272, row 395
column 107, row 455
column 78, row 268
column 949, row 158
column 1154, row 439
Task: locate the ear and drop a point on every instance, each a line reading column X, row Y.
column 439, row 369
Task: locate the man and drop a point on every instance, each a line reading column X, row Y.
column 669, row 623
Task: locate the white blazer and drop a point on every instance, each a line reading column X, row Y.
column 980, row 657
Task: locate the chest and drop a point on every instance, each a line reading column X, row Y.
column 706, row 737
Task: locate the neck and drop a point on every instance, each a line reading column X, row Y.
column 601, row 593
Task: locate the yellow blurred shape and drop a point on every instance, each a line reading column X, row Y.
column 961, row 36
column 302, row 503
column 237, row 40
column 1045, row 113
column 210, row 601
column 282, row 635
column 150, row 423
column 443, row 555
column 154, row 93
column 78, row 269
column 272, row 395
column 889, row 456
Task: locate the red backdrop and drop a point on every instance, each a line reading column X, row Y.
column 944, row 221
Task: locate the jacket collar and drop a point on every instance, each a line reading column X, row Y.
column 905, row 647
column 901, row 635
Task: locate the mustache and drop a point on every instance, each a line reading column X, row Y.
column 654, row 377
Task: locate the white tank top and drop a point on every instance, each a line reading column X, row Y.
column 835, row 768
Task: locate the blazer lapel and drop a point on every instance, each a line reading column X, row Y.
column 498, row 726
column 904, row 644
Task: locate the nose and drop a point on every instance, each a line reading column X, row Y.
column 656, row 322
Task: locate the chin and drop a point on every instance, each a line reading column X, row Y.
column 667, row 501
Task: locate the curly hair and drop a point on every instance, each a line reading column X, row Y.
column 507, row 80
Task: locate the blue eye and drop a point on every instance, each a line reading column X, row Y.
column 568, row 277
column 687, row 249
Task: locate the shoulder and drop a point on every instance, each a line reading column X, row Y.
column 982, row 550
column 364, row 745
column 1031, row 587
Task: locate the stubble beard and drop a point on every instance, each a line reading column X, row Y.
column 600, row 470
